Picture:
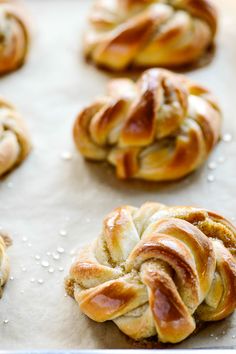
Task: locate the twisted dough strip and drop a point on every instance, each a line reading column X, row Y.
column 4, row 261
column 161, row 128
column 14, row 36
column 15, row 142
column 153, row 270
column 149, row 32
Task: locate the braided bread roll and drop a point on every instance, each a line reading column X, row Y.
column 14, row 36
column 15, row 142
column 154, row 270
column 160, row 128
column 148, row 33
column 4, row 261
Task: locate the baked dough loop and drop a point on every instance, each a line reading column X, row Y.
column 4, row 261
column 160, row 128
column 14, row 36
column 146, row 33
column 156, row 269
column 15, row 142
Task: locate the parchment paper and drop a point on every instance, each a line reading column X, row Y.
column 48, row 194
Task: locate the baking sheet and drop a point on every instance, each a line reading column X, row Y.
column 49, row 194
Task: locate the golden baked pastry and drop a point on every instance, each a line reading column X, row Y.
column 14, row 36
column 160, row 128
column 4, row 261
column 154, row 270
column 148, row 33
column 15, row 142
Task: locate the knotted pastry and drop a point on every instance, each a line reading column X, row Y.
column 156, row 269
column 14, row 36
column 14, row 137
column 160, row 128
column 4, row 261
column 148, row 33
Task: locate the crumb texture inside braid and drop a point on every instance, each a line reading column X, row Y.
column 149, row 32
column 155, row 270
column 160, row 128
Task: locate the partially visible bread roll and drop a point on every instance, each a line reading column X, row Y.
column 4, row 261
column 15, row 143
column 14, row 35
column 148, row 33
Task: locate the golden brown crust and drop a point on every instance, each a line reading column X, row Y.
column 14, row 36
column 156, row 269
column 149, row 32
column 161, row 128
column 4, row 261
column 15, row 142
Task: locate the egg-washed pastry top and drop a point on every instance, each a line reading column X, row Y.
column 146, row 33
column 160, row 128
column 14, row 35
column 155, row 270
